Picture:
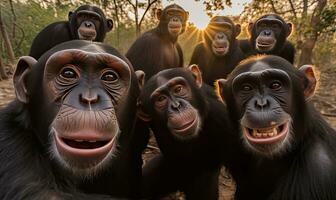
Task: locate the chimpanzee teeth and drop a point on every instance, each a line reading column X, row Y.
column 79, row 140
column 264, row 133
column 92, row 141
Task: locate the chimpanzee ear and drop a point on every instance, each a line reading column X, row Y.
column 290, row 28
column 109, row 24
column 158, row 13
column 142, row 114
column 70, row 15
column 186, row 15
column 141, row 78
column 219, row 85
column 238, row 29
column 250, row 28
column 20, row 77
column 197, row 74
column 310, row 87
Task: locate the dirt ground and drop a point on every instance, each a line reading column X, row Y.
column 324, row 100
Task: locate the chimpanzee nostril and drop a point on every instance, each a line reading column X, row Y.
column 261, row 103
column 176, row 104
column 87, row 24
column 267, row 32
column 88, row 98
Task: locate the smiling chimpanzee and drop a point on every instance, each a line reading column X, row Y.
column 85, row 23
column 219, row 52
column 289, row 150
column 158, row 49
column 268, row 35
column 189, row 124
column 69, row 131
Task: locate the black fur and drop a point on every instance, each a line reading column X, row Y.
column 63, row 31
column 29, row 171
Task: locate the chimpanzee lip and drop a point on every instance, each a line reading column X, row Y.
column 89, row 147
column 185, row 127
column 265, row 44
column 267, row 135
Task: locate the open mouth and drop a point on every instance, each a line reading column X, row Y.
column 84, row 149
column 82, row 144
column 266, row 135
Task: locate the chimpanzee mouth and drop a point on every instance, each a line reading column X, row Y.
column 87, row 34
column 265, row 44
column 185, row 127
column 84, row 149
column 267, row 135
column 175, row 28
column 220, row 49
column 82, row 144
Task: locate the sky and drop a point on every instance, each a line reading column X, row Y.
column 197, row 14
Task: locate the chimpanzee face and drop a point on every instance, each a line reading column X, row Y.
column 268, row 31
column 89, row 23
column 85, row 93
column 175, row 19
column 171, row 104
column 222, row 32
column 263, row 99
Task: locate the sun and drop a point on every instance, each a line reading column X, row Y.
column 200, row 22
column 197, row 15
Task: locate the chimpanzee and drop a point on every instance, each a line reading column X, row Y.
column 158, row 49
column 219, row 52
column 85, row 23
column 68, row 133
column 268, row 35
column 190, row 126
column 287, row 149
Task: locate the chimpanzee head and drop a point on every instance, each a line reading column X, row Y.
column 81, row 97
column 220, row 35
column 269, row 33
column 89, row 23
column 173, row 20
column 267, row 96
column 173, row 103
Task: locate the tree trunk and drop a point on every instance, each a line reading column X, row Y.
column 310, row 41
column 3, row 74
column 136, row 13
column 8, row 44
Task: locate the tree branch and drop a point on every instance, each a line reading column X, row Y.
column 147, row 8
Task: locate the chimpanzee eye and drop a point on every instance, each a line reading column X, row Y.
column 275, row 85
column 161, row 98
column 178, row 89
column 68, row 73
column 275, row 26
column 263, row 25
column 110, row 76
column 246, row 87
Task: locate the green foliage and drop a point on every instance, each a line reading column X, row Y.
column 31, row 18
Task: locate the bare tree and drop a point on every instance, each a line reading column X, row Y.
column 139, row 19
column 3, row 74
column 312, row 36
column 8, row 44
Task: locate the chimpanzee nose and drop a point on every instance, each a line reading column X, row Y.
column 261, row 103
column 175, row 105
column 175, row 19
column 87, row 24
column 89, row 97
column 267, row 32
